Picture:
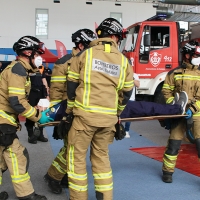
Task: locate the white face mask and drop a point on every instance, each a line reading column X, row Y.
column 195, row 61
column 38, row 61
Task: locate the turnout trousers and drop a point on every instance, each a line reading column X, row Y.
column 80, row 137
column 58, row 168
column 174, row 142
column 15, row 158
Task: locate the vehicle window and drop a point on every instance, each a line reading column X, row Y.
column 159, row 39
column 128, row 44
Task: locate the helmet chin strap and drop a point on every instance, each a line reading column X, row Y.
column 30, row 59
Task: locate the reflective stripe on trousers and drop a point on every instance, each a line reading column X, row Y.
column 80, row 137
column 58, row 168
column 16, row 159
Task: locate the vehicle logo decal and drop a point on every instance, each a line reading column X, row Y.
column 155, row 58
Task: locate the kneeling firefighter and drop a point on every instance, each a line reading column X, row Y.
column 56, row 176
column 38, row 91
column 186, row 78
column 14, row 88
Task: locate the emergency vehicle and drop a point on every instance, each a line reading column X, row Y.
column 153, row 48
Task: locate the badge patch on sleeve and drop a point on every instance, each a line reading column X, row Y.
column 107, row 68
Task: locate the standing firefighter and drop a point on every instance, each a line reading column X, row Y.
column 99, row 85
column 57, row 173
column 183, row 78
column 14, row 88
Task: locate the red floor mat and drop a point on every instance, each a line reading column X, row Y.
column 187, row 159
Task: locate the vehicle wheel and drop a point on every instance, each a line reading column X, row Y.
column 159, row 98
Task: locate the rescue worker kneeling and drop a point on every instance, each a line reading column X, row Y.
column 14, row 89
column 99, row 85
column 185, row 77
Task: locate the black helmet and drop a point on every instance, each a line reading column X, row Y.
column 84, row 36
column 192, row 47
column 29, row 43
column 110, row 26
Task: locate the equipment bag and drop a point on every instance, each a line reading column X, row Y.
column 7, row 134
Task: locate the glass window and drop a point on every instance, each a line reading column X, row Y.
column 128, row 44
column 159, row 39
column 41, row 21
column 117, row 16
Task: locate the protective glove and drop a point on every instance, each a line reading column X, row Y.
column 65, row 125
column 45, row 118
column 167, row 124
column 55, row 133
column 189, row 113
column 120, row 130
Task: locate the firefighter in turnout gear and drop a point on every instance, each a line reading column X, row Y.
column 99, row 85
column 56, row 176
column 183, row 78
column 14, row 89
column 38, row 91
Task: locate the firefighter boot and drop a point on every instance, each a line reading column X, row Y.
column 31, row 137
column 53, row 184
column 167, row 177
column 99, row 195
column 41, row 137
column 64, row 181
column 33, row 197
column 3, row 195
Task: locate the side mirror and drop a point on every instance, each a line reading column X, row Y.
column 147, row 40
column 147, row 43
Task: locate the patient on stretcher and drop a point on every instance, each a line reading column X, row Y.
column 145, row 109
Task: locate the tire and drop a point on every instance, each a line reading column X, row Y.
column 159, row 98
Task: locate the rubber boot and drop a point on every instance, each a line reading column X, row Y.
column 167, row 177
column 31, row 137
column 3, row 195
column 34, row 197
column 99, row 195
column 41, row 137
column 53, row 184
column 64, row 181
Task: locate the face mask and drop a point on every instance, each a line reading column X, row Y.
column 195, row 61
column 38, row 61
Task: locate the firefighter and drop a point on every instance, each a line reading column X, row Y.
column 183, row 78
column 99, row 84
column 57, row 172
column 14, row 88
column 38, row 91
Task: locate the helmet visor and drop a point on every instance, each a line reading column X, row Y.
column 41, row 48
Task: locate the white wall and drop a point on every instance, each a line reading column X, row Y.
column 66, row 17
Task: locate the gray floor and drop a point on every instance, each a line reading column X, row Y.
column 135, row 176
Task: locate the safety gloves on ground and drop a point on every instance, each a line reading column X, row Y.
column 65, row 125
column 120, row 130
column 45, row 117
column 189, row 113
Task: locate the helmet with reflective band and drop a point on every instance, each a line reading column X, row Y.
column 29, row 43
column 110, row 26
column 192, row 47
column 84, row 36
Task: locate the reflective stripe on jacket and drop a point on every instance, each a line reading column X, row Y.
column 14, row 89
column 58, row 88
column 102, row 74
column 184, row 78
